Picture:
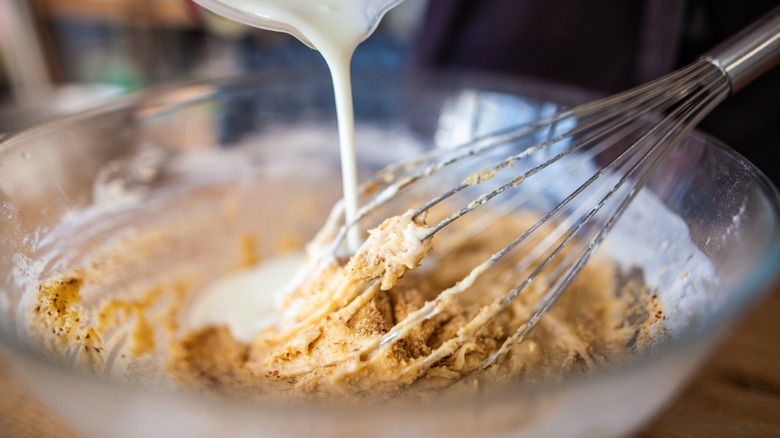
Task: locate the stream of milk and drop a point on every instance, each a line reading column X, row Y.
column 335, row 28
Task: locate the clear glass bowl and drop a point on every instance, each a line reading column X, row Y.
column 705, row 235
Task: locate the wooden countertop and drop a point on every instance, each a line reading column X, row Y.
column 735, row 394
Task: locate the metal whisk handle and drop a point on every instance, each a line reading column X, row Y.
column 751, row 52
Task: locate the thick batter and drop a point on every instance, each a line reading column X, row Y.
column 324, row 343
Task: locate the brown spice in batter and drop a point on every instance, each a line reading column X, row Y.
column 322, row 347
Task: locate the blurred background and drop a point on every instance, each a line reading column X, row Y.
column 58, row 56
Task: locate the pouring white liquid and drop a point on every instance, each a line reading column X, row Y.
column 335, row 28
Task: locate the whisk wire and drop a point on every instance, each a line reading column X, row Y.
column 607, row 128
column 696, row 111
column 615, row 107
column 681, row 116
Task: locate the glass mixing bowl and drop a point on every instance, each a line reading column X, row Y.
column 247, row 168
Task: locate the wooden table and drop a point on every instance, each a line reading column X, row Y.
column 736, row 394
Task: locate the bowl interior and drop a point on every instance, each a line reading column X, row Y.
column 250, row 166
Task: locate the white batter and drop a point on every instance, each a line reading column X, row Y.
column 245, row 302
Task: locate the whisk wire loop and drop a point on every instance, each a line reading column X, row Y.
column 663, row 135
column 608, row 148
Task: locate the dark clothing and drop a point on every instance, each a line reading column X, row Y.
column 608, row 46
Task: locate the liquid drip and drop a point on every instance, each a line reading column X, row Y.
column 335, row 28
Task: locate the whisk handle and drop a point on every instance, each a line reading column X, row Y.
column 750, row 53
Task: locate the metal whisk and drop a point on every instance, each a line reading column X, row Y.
column 629, row 134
